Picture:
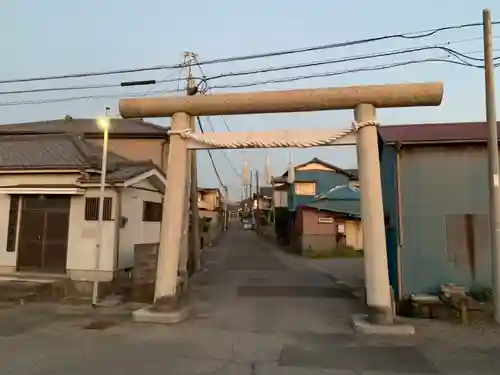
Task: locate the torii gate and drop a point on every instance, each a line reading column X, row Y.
column 168, row 305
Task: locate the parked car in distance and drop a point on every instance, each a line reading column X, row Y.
column 247, row 224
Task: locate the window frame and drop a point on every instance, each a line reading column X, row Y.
column 91, row 212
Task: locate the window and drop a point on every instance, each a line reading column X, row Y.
column 151, row 211
column 280, row 198
column 305, row 188
column 12, row 228
column 92, row 209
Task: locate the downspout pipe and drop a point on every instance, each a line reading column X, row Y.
column 399, row 208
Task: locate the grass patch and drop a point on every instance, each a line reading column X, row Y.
column 340, row 252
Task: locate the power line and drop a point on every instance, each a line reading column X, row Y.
column 459, row 55
column 342, row 72
column 87, row 97
column 411, row 35
column 210, row 154
column 441, row 47
column 223, row 151
column 242, row 84
column 224, row 121
column 88, row 87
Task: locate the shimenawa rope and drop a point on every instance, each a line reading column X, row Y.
column 189, row 134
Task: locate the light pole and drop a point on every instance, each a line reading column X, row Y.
column 103, row 123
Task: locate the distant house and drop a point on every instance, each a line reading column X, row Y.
column 210, row 207
column 311, row 178
column 49, row 189
column 332, row 220
column 435, row 191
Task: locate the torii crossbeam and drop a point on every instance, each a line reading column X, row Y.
column 362, row 99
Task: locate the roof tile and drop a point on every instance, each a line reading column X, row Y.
column 65, row 151
column 435, row 133
column 85, row 126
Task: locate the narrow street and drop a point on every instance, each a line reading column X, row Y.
column 255, row 311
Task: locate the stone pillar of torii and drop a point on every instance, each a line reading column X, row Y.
column 169, row 305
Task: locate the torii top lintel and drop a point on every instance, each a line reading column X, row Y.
column 335, row 98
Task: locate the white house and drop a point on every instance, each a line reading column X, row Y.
column 49, row 188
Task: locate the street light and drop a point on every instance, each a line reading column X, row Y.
column 103, row 123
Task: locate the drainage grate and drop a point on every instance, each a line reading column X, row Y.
column 294, row 291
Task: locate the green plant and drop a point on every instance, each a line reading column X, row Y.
column 481, row 293
column 339, row 252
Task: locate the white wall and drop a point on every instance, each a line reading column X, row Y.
column 83, row 238
column 136, row 231
column 280, row 198
column 7, row 259
column 83, row 235
column 38, row 179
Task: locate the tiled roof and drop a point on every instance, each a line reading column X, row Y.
column 461, row 132
column 351, row 208
column 85, row 126
column 342, row 199
column 340, row 192
column 120, row 172
column 62, row 152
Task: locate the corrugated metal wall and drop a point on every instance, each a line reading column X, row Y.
column 389, row 194
column 444, row 195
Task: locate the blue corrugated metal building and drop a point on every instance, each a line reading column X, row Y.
column 435, row 195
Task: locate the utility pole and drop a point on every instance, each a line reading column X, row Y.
column 225, row 217
column 250, row 187
column 194, row 238
column 257, row 208
column 493, row 163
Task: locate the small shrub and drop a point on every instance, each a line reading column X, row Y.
column 481, row 293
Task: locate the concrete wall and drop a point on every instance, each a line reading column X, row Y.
column 439, row 186
column 137, row 231
column 144, row 275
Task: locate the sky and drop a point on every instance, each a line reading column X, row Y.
column 54, row 37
